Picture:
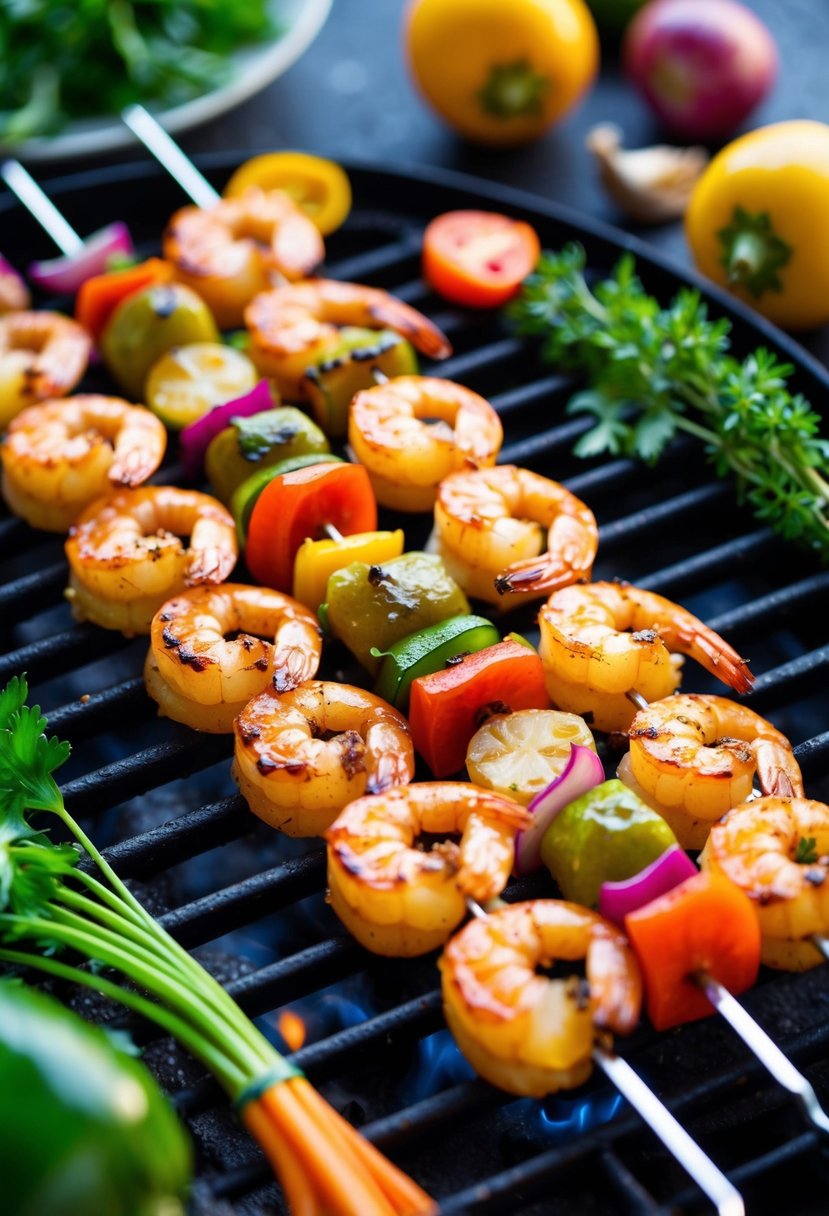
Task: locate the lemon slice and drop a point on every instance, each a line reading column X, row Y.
column 189, row 380
column 519, row 754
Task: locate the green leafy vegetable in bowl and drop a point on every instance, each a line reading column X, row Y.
column 64, row 60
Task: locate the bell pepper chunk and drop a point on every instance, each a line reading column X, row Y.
column 317, row 560
column 99, row 296
column 704, row 924
column 245, row 497
column 447, row 707
column 428, row 650
column 605, row 835
column 296, row 505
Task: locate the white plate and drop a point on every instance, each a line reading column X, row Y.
column 255, row 67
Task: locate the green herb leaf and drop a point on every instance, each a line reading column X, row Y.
column 806, row 852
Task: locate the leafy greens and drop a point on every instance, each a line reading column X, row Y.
column 68, row 59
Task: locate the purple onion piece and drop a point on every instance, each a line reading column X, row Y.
column 617, row 899
column 195, row 438
column 64, row 275
column 582, row 772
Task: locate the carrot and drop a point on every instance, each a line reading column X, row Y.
column 704, row 924
column 342, row 1183
column 296, row 1186
column 406, row 1196
column 99, row 296
column 447, row 707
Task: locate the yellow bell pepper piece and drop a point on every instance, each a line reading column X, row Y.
column 317, row 560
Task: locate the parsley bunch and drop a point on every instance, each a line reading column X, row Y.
column 652, row 372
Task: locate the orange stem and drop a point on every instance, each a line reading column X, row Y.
column 297, row 1188
column 406, row 1196
column 341, row 1181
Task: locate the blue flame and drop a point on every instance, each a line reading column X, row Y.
column 439, row 1065
column 564, row 1118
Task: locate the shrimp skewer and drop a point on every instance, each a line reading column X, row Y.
column 201, row 677
column 42, row 355
column 492, row 526
column 295, row 326
column 301, row 756
column 601, row 641
column 776, row 850
column 238, row 247
column 694, row 757
column 397, row 899
column 406, row 458
column 126, row 556
column 61, row 455
column 522, row 1031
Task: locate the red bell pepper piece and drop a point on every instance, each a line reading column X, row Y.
column 704, row 924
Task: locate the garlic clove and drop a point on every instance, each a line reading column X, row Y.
column 651, row 185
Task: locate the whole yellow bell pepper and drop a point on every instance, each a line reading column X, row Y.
column 758, row 221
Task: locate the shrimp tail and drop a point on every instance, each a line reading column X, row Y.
column 716, row 656
column 131, row 468
column 209, row 565
column 419, row 330
column 777, row 770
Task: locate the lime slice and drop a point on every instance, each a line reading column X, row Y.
column 519, row 754
column 190, row 380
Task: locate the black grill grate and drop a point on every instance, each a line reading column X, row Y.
column 218, row 880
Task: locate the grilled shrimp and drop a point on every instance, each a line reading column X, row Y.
column 126, row 556
column 230, row 252
column 295, row 326
column 407, row 457
column 694, row 757
column 60, row 455
column 399, row 900
column 776, row 850
column 42, row 355
column 200, row 676
column 520, row 1030
column 301, row 756
column 602, row 640
column 490, row 527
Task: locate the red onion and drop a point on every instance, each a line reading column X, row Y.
column 702, row 65
column 617, row 899
column 195, row 438
column 583, row 771
column 64, row 275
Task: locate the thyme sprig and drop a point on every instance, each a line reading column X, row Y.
column 652, row 372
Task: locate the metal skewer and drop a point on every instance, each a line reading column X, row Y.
column 170, row 156
column 755, row 1038
column 709, row 1178
column 25, row 188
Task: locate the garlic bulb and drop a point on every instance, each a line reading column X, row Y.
column 651, row 185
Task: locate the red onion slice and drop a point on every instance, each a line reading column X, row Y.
column 617, row 899
column 582, row 772
column 64, row 275
column 195, row 438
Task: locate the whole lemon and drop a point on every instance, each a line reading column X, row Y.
column 501, row 71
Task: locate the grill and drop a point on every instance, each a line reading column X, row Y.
column 160, row 797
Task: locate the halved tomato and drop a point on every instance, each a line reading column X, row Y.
column 478, row 258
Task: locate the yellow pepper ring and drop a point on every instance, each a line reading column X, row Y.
column 317, row 560
column 320, row 187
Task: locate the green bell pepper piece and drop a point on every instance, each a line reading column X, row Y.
column 606, row 835
column 349, row 367
column 376, row 606
column 246, row 496
column 84, row 1129
column 426, row 651
column 258, row 442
